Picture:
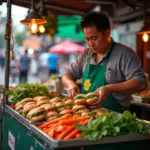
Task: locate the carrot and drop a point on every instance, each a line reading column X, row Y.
column 72, row 134
column 49, row 126
column 56, row 136
column 67, row 131
column 54, row 121
column 60, row 128
column 78, row 136
column 47, row 130
column 71, row 121
column 75, row 131
column 85, row 122
column 53, row 127
column 51, row 133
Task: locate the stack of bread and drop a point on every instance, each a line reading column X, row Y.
column 42, row 108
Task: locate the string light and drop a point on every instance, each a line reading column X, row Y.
column 145, row 37
column 41, row 29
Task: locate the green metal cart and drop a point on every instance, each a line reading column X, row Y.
column 20, row 134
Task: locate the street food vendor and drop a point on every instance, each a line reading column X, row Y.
column 109, row 68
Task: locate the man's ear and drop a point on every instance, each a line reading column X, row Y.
column 107, row 33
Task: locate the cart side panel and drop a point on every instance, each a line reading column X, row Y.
column 18, row 133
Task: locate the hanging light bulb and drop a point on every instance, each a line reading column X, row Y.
column 33, row 27
column 33, row 17
column 145, row 37
column 41, row 29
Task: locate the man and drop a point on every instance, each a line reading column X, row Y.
column 24, row 64
column 109, row 68
column 53, row 63
column 2, row 61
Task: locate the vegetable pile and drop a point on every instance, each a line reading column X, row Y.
column 63, row 128
column 25, row 90
column 111, row 124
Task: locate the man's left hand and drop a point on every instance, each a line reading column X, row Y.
column 103, row 93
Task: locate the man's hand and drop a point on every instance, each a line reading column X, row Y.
column 103, row 93
column 73, row 90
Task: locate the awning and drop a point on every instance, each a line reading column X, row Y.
column 66, row 47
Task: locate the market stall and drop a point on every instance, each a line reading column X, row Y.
column 31, row 129
column 22, row 129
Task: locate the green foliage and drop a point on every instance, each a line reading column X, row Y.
column 19, row 37
column 111, row 124
column 25, row 90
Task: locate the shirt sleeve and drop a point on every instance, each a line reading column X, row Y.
column 75, row 69
column 131, row 66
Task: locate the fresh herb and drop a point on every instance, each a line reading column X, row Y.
column 25, row 114
column 78, row 97
column 111, row 124
column 38, row 114
column 92, row 96
column 25, row 90
column 69, row 104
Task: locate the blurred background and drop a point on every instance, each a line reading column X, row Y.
column 60, row 39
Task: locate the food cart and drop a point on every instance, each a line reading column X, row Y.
column 18, row 133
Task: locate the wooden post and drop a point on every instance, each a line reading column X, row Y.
column 145, row 57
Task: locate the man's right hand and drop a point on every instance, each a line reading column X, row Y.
column 73, row 90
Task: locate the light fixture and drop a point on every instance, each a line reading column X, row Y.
column 144, row 34
column 145, row 37
column 33, row 27
column 41, row 29
column 145, row 30
column 33, row 19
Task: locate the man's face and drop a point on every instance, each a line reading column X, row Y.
column 96, row 40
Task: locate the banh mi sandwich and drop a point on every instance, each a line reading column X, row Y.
column 27, row 109
column 29, row 103
column 79, row 108
column 55, row 99
column 19, row 108
column 48, row 107
column 59, row 106
column 87, row 114
column 100, row 112
column 38, row 98
column 25, row 100
column 66, row 111
column 18, row 103
column 51, row 115
column 41, row 102
column 94, row 108
column 91, row 98
column 36, row 114
column 80, row 99
column 69, row 103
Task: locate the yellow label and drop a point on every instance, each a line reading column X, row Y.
column 87, row 84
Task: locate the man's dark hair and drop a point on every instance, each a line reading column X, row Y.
column 98, row 19
column 26, row 51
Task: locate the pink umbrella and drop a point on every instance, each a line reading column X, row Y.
column 66, row 47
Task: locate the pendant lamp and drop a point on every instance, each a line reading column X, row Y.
column 33, row 19
column 145, row 30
